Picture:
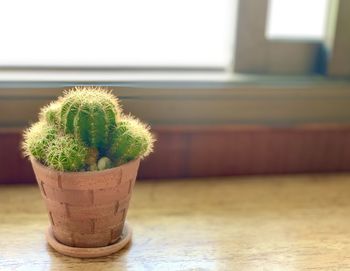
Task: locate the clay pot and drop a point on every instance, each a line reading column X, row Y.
column 87, row 209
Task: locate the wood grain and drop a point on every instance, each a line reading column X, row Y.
column 247, row 223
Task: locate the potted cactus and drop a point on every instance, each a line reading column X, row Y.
column 85, row 154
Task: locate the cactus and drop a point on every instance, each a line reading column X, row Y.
column 91, row 157
column 50, row 112
column 84, row 130
column 104, row 163
column 66, row 153
column 89, row 114
column 130, row 139
column 37, row 138
column 93, row 167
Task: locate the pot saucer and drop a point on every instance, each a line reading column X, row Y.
column 80, row 252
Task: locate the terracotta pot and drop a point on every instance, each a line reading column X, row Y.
column 87, row 209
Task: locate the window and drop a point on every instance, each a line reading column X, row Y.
column 116, row 33
column 243, row 36
column 296, row 19
column 287, row 36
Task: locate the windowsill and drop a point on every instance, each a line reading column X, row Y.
column 201, row 225
column 157, row 78
column 187, row 98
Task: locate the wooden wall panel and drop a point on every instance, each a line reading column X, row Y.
column 13, row 167
column 208, row 151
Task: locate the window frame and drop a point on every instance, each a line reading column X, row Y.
column 256, row 54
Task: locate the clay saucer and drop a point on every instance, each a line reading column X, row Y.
column 79, row 252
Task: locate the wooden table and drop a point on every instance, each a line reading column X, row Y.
column 246, row 223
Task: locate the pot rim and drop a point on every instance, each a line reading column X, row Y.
column 80, row 173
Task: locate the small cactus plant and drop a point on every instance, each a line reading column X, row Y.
column 49, row 113
column 37, row 139
column 130, row 139
column 66, row 153
column 85, row 130
column 87, row 113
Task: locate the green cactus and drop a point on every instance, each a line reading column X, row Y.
column 89, row 114
column 84, row 130
column 129, row 140
column 66, row 153
column 50, row 113
column 37, row 138
column 104, row 163
column 91, row 157
column 93, row 167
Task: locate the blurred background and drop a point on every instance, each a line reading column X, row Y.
column 230, row 87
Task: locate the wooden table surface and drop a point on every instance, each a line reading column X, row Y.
column 247, row 223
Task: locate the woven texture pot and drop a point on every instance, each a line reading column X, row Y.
column 87, row 209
